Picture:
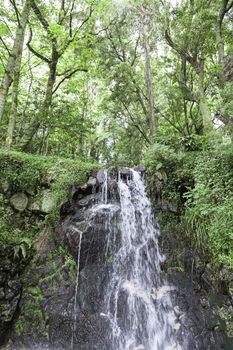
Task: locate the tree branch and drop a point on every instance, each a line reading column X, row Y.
column 76, row 32
column 135, row 51
column 43, row 58
column 135, row 123
column 119, row 56
column 69, row 76
column 3, row 64
column 16, row 11
column 39, row 15
column 183, row 52
column 71, row 19
column 229, row 6
column 4, row 44
column 169, row 121
column 62, row 12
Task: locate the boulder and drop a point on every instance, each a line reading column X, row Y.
column 19, row 201
column 100, row 176
column 44, row 243
column 44, row 202
column 92, row 181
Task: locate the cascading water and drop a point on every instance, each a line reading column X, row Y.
column 76, row 292
column 148, row 320
column 136, row 306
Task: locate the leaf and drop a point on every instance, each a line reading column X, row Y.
column 3, row 29
column 159, row 166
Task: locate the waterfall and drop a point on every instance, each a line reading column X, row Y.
column 134, row 306
column 76, row 291
column 148, row 321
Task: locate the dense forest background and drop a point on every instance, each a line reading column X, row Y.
column 108, row 79
column 124, row 83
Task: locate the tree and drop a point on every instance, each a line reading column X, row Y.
column 12, row 70
column 58, row 48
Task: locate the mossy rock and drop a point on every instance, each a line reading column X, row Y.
column 44, row 202
column 19, row 201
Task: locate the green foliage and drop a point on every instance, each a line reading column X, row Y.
column 34, row 319
column 174, row 166
column 203, row 182
column 227, row 315
column 13, row 234
column 161, row 156
column 209, row 204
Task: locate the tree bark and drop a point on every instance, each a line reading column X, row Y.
column 150, row 94
column 13, row 67
column 204, row 108
column 198, row 66
column 45, row 108
column 14, row 104
column 225, row 7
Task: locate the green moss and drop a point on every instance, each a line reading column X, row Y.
column 227, row 315
column 32, row 319
column 25, row 172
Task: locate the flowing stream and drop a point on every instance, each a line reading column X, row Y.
column 137, row 304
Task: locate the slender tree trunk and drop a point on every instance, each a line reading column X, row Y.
column 15, row 56
column 219, row 42
column 150, row 95
column 198, row 66
column 14, row 103
column 45, row 108
column 204, row 108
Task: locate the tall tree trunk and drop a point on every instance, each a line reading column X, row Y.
column 46, row 105
column 198, row 66
column 219, row 42
column 204, row 108
column 15, row 58
column 150, row 95
column 14, row 103
column 226, row 6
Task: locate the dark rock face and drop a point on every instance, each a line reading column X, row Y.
column 11, row 269
column 199, row 319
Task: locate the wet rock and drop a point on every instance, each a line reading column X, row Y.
column 92, row 181
column 87, row 200
column 140, row 168
column 100, row 177
column 19, row 201
column 165, row 205
column 44, row 243
column 2, row 293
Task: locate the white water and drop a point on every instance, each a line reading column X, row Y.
column 76, row 291
column 137, row 302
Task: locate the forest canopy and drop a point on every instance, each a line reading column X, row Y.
column 108, row 79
